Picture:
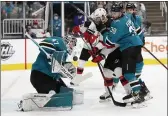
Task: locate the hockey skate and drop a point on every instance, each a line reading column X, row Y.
column 144, row 90
column 106, row 96
column 136, row 99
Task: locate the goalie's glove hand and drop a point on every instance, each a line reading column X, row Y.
column 76, row 30
column 98, row 58
column 94, row 51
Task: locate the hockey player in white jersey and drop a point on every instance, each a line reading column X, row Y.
column 89, row 38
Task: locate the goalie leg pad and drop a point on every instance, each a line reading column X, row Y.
column 33, row 102
column 61, row 101
column 78, row 95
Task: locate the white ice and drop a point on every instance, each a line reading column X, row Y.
column 16, row 83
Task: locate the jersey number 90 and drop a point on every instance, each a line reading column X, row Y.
column 132, row 30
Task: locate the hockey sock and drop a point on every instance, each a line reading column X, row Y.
column 79, row 70
column 139, row 67
column 133, row 81
column 123, row 80
column 108, row 81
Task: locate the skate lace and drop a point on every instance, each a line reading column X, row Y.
column 136, row 96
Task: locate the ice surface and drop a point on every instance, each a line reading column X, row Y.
column 16, row 83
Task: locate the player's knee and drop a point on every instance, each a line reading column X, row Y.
column 118, row 72
column 130, row 77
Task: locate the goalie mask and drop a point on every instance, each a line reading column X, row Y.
column 70, row 42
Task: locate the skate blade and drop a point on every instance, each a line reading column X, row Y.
column 139, row 105
column 105, row 100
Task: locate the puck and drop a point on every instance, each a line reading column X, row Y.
column 75, row 58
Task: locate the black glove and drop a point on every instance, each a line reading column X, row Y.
column 147, row 24
column 143, row 40
column 87, row 24
column 102, row 28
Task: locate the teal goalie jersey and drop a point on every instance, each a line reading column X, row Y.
column 50, row 45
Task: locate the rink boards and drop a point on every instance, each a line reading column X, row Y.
column 19, row 54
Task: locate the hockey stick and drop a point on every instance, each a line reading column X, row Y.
column 151, row 52
column 114, row 101
column 78, row 9
column 155, row 57
column 63, row 70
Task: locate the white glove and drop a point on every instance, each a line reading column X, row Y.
column 71, row 68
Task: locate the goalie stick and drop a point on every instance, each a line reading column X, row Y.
column 63, row 70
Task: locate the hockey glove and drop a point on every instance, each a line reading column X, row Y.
column 90, row 37
column 76, row 30
column 98, row 58
column 87, row 24
column 94, row 51
column 105, row 27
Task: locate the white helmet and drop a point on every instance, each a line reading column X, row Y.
column 70, row 42
column 99, row 15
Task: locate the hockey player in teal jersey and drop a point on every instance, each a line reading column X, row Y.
column 46, row 73
column 137, row 20
column 42, row 78
column 122, row 32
